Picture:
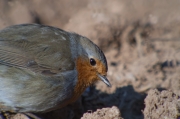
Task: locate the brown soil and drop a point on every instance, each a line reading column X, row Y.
column 141, row 40
column 104, row 113
column 162, row 105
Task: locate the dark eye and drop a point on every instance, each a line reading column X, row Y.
column 92, row 62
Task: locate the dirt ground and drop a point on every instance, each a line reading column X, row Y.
column 141, row 41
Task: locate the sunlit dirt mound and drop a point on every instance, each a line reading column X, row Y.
column 162, row 105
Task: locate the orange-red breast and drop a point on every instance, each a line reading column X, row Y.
column 43, row 68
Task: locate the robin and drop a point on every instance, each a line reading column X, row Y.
column 43, row 68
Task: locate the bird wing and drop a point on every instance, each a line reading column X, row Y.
column 39, row 48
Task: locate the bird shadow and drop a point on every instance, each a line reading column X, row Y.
column 126, row 99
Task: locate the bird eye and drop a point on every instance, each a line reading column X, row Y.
column 92, row 62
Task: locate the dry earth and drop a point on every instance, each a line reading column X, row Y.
column 141, row 40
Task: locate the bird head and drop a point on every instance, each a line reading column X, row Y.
column 91, row 63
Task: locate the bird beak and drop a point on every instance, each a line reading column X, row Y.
column 105, row 80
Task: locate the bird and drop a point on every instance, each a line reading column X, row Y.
column 44, row 68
